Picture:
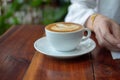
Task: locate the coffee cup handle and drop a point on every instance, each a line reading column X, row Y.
column 88, row 34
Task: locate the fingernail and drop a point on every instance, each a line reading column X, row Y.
column 118, row 45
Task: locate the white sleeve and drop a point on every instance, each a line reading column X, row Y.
column 80, row 10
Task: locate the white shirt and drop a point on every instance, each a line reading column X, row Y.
column 80, row 10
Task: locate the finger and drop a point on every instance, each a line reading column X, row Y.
column 116, row 31
column 103, row 43
column 106, row 44
column 106, row 34
column 110, row 46
column 118, row 45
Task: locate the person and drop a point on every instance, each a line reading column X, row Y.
column 101, row 16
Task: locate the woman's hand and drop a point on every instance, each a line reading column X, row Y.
column 107, row 33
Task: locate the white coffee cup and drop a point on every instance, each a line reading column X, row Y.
column 62, row 37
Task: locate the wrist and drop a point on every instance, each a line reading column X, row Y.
column 90, row 21
column 93, row 18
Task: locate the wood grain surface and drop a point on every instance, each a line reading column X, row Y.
column 46, row 68
column 20, row 61
column 16, row 51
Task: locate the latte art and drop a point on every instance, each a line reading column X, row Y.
column 63, row 27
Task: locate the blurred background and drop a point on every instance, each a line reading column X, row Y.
column 18, row 12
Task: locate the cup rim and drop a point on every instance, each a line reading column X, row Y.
column 62, row 32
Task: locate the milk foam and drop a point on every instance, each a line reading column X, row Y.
column 65, row 27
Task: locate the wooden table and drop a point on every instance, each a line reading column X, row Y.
column 20, row 61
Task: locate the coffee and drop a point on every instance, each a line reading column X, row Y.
column 64, row 36
column 63, row 27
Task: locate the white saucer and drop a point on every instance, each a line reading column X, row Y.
column 42, row 46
